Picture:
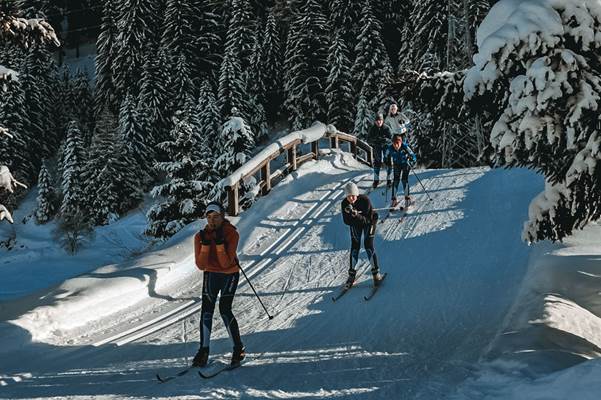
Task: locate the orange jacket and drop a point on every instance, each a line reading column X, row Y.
column 217, row 258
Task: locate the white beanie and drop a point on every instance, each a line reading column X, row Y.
column 350, row 189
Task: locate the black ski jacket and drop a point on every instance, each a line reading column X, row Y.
column 379, row 137
column 364, row 215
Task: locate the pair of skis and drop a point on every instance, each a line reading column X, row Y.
column 213, row 369
column 368, row 297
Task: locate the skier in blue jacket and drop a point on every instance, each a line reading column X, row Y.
column 400, row 158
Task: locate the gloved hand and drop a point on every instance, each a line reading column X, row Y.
column 388, row 183
column 351, row 210
column 203, row 238
column 219, row 237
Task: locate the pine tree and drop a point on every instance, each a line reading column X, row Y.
column 339, row 92
column 364, row 117
column 430, row 17
column 209, row 38
column 372, row 71
column 231, row 81
column 243, row 31
column 135, row 139
column 183, row 192
column 345, row 19
column 269, row 67
column 136, row 24
column 83, row 106
column 15, row 152
column 153, row 98
column 182, row 88
column 46, row 197
column 105, row 56
column 73, row 162
column 209, row 119
column 305, row 66
column 238, row 141
column 181, row 17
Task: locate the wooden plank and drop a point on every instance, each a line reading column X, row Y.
column 233, row 199
column 266, row 177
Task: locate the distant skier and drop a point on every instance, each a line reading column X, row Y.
column 215, row 254
column 358, row 214
column 399, row 158
column 396, row 122
column 378, row 137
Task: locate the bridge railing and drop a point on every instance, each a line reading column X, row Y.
column 289, row 145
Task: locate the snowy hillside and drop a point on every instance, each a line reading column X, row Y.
column 456, row 267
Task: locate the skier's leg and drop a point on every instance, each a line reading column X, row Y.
column 377, row 165
column 228, row 291
column 368, row 244
column 210, row 290
column 405, row 179
column 354, row 256
column 396, row 181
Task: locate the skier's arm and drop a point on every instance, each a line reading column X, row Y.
column 409, row 152
column 226, row 248
column 201, row 251
column 388, row 162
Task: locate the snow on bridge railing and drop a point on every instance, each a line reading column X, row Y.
column 261, row 161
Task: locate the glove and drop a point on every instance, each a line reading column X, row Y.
column 351, row 210
column 219, row 237
column 203, row 238
column 388, row 183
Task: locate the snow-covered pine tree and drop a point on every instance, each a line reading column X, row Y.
column 24, row 33
column 551, row 98
column 231, row 91
column 46, row 197
column 182, row 89
column 242, row 24
column 132, row 135
column 339, row 92
column 73, row 164
column 305, row 66
column 105, row 55
column 345, row 18
column 364, row 117
column 183, row 194
column 371, row 71
column 238, row 141
column 209, row 38
column 153, row 97
column 270, row 68
column 83, row 105
column 475, row 12
column 209, row 120
column 136, row 23
column 15, row 153
column 430, row 18
column 181, row 17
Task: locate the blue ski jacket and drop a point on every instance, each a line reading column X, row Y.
column 400, row 157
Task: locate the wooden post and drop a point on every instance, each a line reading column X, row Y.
column 315, row 149
column 233, row 208
column 334, row 142
column 266, row 177
column 354, row 148
column 370, row 157
column 292, row 158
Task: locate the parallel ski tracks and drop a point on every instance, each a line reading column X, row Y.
column 252, row 268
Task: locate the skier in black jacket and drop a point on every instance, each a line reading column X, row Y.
column 359, row 215
column 378, row 137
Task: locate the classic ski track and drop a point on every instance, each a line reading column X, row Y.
column 281, row 244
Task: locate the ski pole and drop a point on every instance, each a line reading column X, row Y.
column 420, row 182
column 256, row 294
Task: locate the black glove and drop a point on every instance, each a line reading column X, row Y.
column 351, row 210
column 219, row 238
column 203, row 238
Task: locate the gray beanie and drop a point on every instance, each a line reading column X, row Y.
column 350, row 189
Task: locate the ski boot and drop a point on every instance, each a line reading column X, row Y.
column 201, row 358
column 394, row 203
column 351, row 280
column 377, row 279
column 238, row 355
column 408, row 202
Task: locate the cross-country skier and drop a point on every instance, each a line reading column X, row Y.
column 359, row 215
column 396, row 122
column 378, row 137
column 215, row 254
column 399, row 158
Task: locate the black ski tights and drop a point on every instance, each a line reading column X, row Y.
column 368, row 243
column 213, row 283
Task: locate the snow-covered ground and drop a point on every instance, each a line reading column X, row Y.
column 468, row 310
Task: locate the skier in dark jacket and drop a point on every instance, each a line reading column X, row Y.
column 378, row 138
column 359, row 215
column 400, row 158
column 215, row 255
